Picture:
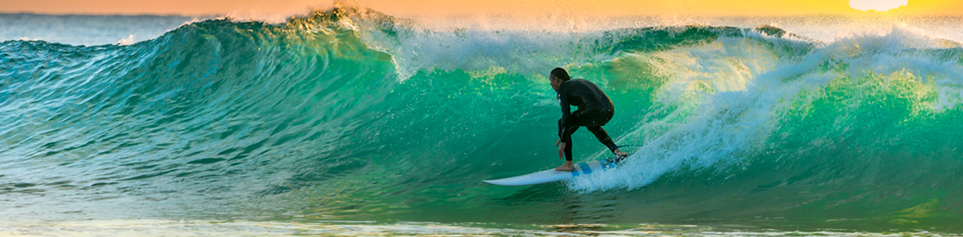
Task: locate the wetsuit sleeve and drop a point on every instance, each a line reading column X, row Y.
column 566, row 111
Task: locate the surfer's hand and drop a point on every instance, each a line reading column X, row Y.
column 561, row 150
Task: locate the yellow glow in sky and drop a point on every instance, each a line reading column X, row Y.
column 406, row 8
column 877, row 5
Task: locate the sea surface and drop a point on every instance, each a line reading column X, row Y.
column 350, row 121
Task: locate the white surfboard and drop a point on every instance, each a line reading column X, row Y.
column 551, row 175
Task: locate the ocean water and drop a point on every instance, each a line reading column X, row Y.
column 744, row 126
column 88, row 29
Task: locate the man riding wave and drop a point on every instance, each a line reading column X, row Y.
column 595, row 109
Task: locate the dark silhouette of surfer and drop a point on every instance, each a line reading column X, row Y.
column 595, row 109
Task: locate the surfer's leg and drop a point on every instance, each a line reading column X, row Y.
column 607, row 141
column 598, row 120
column 603, row 137
column 567, row 138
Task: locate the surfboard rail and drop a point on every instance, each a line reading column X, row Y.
column 551, row 175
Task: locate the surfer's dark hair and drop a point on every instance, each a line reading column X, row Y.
column 561, row 74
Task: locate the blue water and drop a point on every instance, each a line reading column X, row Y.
column 359, row 116
column 86, row 29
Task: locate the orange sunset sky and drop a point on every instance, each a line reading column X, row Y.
column 458, row 7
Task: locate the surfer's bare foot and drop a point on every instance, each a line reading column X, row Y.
column 619, row 154
column 568, row 166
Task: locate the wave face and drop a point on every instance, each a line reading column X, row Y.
column 352, row 115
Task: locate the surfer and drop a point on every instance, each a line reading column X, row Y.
column 595, row 109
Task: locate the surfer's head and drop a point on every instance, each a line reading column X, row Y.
column 558, row 76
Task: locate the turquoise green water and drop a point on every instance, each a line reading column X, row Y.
column 344, row 116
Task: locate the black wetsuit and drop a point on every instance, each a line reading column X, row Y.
column 594, row 110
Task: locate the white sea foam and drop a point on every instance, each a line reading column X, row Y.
column 131, row 39
column 531, row 44
column 744, row 89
